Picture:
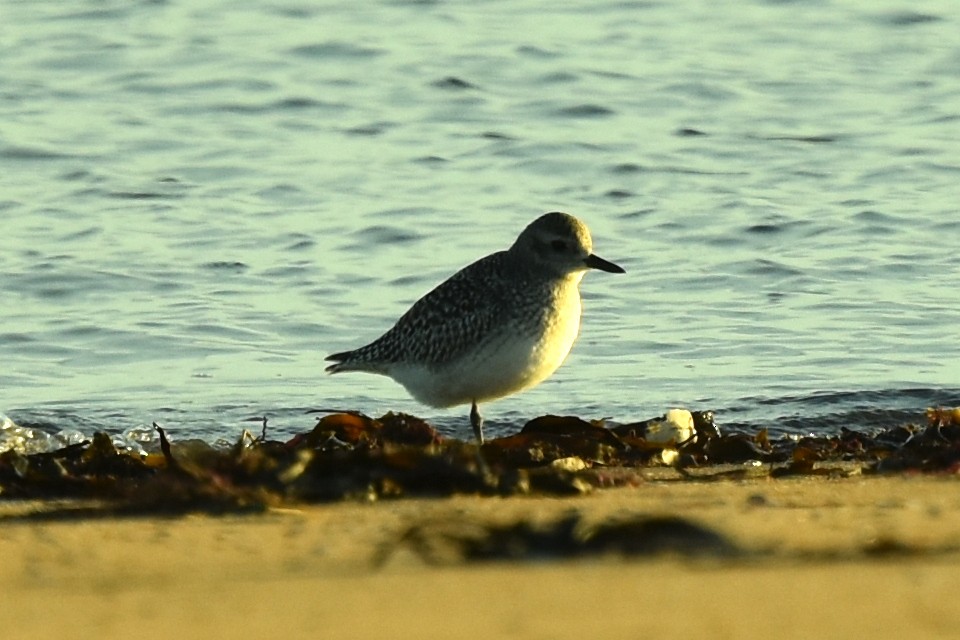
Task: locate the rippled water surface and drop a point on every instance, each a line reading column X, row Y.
column 200, row 200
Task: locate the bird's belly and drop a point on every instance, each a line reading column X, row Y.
column 504, row 364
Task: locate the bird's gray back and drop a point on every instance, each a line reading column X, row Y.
column 475, row 304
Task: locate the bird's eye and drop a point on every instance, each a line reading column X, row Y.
column 558, row 245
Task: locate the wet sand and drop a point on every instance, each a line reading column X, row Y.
column 856, row 557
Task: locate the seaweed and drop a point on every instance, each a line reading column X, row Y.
column 446, row 541
column 348, row 455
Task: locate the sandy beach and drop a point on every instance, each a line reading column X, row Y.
column 855, row 557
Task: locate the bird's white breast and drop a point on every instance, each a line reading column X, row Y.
column 516, row 357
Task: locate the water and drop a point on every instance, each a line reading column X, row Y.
column 200, row 200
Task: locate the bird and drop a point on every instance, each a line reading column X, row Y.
column 500, row 325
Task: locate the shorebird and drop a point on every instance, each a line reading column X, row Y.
column 496, row 327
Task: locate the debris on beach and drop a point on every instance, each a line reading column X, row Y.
column 351, row 456
column 454, row 541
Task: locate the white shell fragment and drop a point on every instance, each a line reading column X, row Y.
column 676, row 427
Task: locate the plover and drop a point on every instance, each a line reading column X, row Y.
column 496, row 327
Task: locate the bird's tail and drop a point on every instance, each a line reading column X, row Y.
column 350, row 361
column 341, row 362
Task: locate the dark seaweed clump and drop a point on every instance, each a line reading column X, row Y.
column 353, row 456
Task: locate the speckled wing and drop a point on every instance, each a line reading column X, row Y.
column 457, row 315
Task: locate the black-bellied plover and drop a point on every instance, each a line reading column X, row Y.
column 497, row 326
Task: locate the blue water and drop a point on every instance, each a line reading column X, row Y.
column 199, row 201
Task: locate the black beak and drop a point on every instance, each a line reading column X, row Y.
column 596, row 262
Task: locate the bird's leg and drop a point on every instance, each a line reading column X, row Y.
column 476, row 421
